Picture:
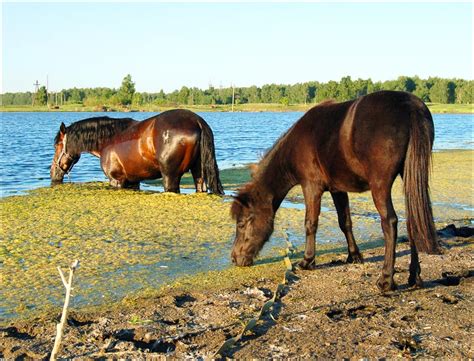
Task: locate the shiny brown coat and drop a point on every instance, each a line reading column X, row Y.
column 164, row 146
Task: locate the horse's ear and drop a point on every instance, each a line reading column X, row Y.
column 62, row 128
column 253, row 169
column 240, row 201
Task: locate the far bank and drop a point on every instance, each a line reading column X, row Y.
column 436, row 108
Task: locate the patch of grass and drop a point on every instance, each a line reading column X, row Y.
column 451, row 108
column 253, row 107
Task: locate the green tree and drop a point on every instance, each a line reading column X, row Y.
column 183, row 95
column 346, row 89
column 126, row 91
column 41, row 96
column 329, row 90
column 442, row 91
column 137, row 99
column 405, row 84
column 76, row 95
column 422, row 89
column 464, row 92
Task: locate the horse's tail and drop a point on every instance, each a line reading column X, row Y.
column 209, row 169
column 420, row 225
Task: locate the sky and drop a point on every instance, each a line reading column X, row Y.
column 170, row 45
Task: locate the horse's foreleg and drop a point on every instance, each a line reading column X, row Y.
column 312, row 198
column 124, row 184
column 383, row 203
column 171, row 183
column 115, row 183
column 341, row 201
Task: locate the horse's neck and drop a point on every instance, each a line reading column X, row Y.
column 90, row 142
column 77, row 147
column 275, row 181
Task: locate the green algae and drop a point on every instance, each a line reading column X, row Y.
column 116, row 234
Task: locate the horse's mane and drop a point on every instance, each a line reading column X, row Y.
column 282, row 141
column 89, row 134
column 273, row 167
column 272, row 153
column 275, row 156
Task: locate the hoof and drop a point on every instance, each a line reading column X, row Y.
column 386, row 284
column 415, row 282
column 307, row 265
column 355, row 258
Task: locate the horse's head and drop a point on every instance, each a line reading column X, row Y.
column 63, row 161
column 254, row 216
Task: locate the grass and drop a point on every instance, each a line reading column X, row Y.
column 255, row 107
column 451, row 108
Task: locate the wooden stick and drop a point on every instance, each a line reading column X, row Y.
column 60, row 325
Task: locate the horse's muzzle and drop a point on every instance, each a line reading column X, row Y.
column 242, row 261
column 57, row 175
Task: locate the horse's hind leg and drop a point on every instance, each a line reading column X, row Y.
column 341, row 201
column 383, row 202
column 199, row 181
column 414, row 279
column 415, row 270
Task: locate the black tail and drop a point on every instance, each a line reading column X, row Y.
column 209, row 169
column 420, row 225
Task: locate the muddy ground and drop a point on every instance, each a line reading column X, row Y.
column 335, row 311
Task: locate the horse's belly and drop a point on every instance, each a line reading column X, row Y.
column 343, row 176
column 125, row 162
column 351, row 183
column 142, row 171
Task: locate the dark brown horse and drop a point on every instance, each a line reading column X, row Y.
column 353, row 146
column 163, row 146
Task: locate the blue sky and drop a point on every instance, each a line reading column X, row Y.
column 168, row 45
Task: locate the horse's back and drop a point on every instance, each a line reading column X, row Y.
column 353, row 141
column 178, row 120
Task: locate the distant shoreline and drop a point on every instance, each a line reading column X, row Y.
column 435, row 108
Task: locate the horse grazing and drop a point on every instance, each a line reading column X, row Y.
column 166, row 145
column 353, row 146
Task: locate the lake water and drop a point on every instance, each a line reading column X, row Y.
column 26, row 142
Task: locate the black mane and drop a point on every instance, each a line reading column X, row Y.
column 88, row 134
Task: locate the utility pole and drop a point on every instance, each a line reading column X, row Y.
column 36, row 85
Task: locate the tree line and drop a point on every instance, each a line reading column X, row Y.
column 433, row 89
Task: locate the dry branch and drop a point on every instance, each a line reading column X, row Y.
column 60, row 326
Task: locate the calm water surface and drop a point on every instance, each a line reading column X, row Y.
column 26, row 142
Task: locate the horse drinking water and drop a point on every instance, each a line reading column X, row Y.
column 353, row 146
column 163, row 146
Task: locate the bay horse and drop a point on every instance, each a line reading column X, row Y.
column 163, row 146
column 354, row 146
